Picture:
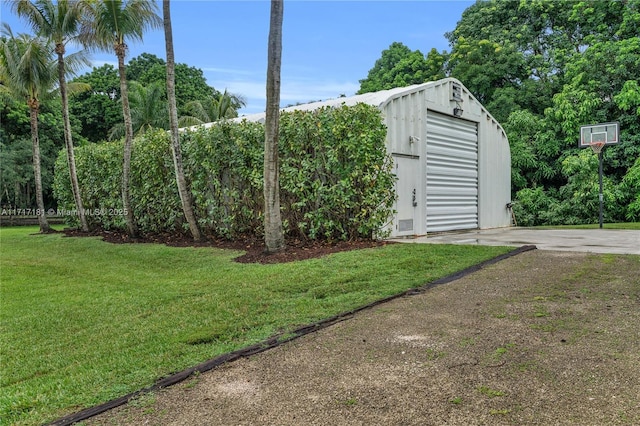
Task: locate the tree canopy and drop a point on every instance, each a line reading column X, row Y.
column 191, row 85
column 400, row 66
column 544, row 68
column 99, row 111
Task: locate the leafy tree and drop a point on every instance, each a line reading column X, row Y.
column 16, row 173
column 544, row 68
column 186, row 199
column 148, row 110
column 601, row 87
column 399, row 66
column 529, row 151
column 495, row 86
column 580, row 194
column 98, row 110
column 59, row 22
column 631, row 192
column 214, row 108
column 27, row 71
column 547, row 35
column 191, row 84
column 554, row 67
column 273, row 230
column 145, row 68
column 17, row 182
column 113, row 21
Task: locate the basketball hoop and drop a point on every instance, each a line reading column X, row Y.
column 597, row 147
column 597, row 136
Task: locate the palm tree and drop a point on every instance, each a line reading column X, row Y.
column 60, row 22
column 214, row 108
column 148, row 110
column 28, row 71
column 176, row 150
column 112, row 22
column 273, row 232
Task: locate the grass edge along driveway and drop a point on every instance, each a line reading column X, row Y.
column 83, row 321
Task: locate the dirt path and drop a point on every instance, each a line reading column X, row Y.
column 541, row 338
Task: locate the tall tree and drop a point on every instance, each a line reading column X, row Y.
column 60, row 22
column 183, row 189
column 273, row 231
column 112, row 23
column 28, row 71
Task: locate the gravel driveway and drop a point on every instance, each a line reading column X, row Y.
column 545, row 337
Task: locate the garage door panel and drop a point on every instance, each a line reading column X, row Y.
column 447, row 221
column 464, row 211
column 443, row 175
column 452, row 173
column 463, row 157
column 460, row 133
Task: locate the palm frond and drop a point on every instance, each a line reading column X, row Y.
column 111, row 22
column 27, row 66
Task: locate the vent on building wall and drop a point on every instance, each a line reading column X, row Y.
column 456, row 92
column 405, row 225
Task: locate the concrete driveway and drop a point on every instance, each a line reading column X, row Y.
column 583, row 240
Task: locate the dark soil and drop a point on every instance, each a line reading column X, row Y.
column 253, row 246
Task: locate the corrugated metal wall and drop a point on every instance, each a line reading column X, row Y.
column 452, row 173
column 405, row 118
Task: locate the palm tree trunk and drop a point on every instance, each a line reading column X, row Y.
column 132, row 229
column 42, row 218
column 68, row 139
column 273, row 232
column 176, row 150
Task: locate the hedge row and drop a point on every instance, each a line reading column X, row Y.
column 335, row 175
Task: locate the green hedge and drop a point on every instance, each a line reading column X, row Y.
column 335, row 175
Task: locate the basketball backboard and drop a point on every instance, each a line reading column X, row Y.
column 603, row 133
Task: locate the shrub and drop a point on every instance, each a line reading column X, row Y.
column 335, row 175
column 631, row 191
column 99, row 170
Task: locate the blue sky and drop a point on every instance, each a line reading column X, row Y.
column 327, row 45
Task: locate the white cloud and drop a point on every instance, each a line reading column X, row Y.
column 97, row 63
column 304, row 91
column 227, row 71
column 293, row 91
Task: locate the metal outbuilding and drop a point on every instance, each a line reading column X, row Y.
column 451, row 157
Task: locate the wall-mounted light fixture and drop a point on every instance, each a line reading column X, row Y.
column 413, row 139
column 457, row 111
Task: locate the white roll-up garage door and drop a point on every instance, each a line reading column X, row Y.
column 452, row 173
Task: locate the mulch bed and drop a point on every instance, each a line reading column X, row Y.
column 253, row 247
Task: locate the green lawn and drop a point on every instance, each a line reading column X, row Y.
column 83, row 321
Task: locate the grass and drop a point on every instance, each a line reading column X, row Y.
column 491, row 393
column 83, row 321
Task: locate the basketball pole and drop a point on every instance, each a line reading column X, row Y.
column 601, row 193
column 597, row 136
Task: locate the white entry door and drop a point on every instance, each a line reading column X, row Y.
column 407, row 169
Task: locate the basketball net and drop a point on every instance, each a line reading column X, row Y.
column 597, row 146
